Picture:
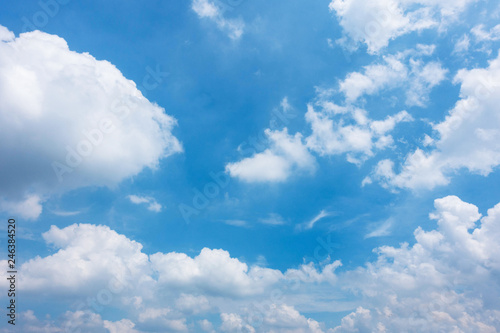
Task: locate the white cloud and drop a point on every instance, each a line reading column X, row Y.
column 65, row 213
column 192, row 303
column 374, row 78
column 352, row 133
column 29, row 208
column 209, row 10
column 469, row 136
column 279, row 318
column 68, row 120
column 122, row 326
column 78, row 321
column 90, row 258
column 213, row 272
column 310, row 224
column 206, row 326
column 462, row 45
column 404, row 70
column 232, row 323
column 381, row 230
column 6, row 35
column 376, row 23
column 308, row 273
column 273, row 219
column 287, row 154
column 480, row 33
column 93, row 258
column 151, row 202
column 446, row 281
column 162, row 319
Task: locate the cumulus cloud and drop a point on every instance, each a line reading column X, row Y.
column 68, row 120
column 378, row 22
column 89, row 259
column 149, row 201
column 446, row 281
column 468, row 138
column 213, row 272
column 287, row 154
column 210, row 10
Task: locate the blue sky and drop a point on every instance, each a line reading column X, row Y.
column 239, row 166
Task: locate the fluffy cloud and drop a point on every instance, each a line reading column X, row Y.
column 210, row 10
column 469, row 136
column 91, row 258
column 279, row 319
column 29, row 208
column 446, row 281
column 337, row 130
column 378, row 22
column 213, row 272
column 404, row 70
column 286, row 154
column 149, row 201
column 68, row 120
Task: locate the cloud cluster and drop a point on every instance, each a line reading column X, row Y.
column 68, row 120
column 469, row 136
column 446, row 281
column 346, row 129
column 335, row 130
